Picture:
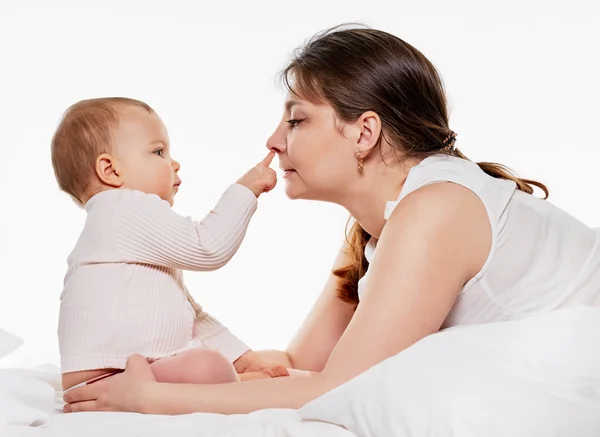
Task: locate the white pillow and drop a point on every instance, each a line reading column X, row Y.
column 8, row 343
column 393, row 398
column 27, row 397
column 534, row 377
column 24, row 399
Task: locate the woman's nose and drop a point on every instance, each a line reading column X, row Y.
column 276, row 142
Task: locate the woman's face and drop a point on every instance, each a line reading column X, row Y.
column 317, row 156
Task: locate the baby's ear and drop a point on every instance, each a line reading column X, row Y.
column 107, row 171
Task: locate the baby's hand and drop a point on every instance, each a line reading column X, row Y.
column 250, row 362
column 275, row 371
column 261, row 178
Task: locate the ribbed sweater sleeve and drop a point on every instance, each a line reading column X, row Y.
column 213, row 335
column 148, row 231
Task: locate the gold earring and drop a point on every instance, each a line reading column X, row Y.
column 361, row 161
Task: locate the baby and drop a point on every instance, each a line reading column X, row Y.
column 124, row 291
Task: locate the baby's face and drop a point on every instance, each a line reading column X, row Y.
column 143, row 153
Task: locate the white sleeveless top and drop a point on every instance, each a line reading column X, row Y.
column 541, row 258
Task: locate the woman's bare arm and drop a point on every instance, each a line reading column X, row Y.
column 275, row 356
column 436, row 240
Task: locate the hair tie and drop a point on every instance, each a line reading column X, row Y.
column 449, row 143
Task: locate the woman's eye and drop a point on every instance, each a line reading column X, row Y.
column 294, row 122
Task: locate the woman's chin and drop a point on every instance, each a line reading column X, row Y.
column 293, row 191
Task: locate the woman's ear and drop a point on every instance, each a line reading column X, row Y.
column 107, row 171
column 367, row 132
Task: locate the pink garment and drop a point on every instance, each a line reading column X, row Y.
column 124, row 291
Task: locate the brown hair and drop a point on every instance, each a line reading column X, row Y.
column 357, row 70
column 85, row 132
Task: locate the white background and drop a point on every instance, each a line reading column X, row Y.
column 522, row 82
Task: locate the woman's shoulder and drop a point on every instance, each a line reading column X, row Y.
column 443, row 198
column 446, row 168
column 435, row 170
column 444, row 220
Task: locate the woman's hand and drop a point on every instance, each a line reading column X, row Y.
column 122, row 392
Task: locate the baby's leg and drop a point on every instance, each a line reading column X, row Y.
column 195, row 366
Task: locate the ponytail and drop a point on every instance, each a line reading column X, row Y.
column 500, row 171
column 349, row 275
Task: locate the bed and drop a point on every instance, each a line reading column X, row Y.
column 31, row 405
column 538, row 376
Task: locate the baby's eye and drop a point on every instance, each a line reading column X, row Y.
column 159, row 152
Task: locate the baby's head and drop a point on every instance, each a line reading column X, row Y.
column 111, row 143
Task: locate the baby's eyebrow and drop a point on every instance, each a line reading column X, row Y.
column 161, row 142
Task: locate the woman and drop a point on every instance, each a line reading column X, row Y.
column 446, row 242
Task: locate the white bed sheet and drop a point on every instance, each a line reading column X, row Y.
column 265, row 423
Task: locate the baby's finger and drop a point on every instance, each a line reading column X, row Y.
column 268, row 159
column 277, row 371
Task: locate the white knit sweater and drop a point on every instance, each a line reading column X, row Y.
column 124, row 291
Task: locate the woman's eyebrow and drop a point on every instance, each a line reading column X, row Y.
column 291, row 103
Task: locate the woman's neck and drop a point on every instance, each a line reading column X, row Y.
column 378, row 186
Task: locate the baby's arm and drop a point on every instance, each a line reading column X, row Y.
column 247, row 363
column 148, row 231
column 211, row 334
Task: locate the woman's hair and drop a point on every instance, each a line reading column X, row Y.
column 356, row 70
